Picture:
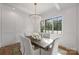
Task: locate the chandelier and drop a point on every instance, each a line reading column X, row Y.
column 36, row 18
column 35, row 11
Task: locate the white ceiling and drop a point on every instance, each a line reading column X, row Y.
column 41, row 7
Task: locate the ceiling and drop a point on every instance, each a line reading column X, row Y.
column 41, row 7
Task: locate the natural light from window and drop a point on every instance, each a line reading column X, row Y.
column 52, row 25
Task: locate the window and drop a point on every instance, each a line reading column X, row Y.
column 52, row 25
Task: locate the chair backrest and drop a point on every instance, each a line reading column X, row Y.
column 45, row 35
column 55, row 46
column 26, row 46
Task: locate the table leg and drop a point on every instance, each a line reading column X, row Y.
column 40, row 51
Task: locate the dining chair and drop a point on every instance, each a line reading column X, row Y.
column 53, row 48
column 27, row 48
column 45, row 35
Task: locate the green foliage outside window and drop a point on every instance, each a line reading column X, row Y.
column 51, row 24
column 57, row 25
column 48, row 25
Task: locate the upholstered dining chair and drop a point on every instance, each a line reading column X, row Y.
column 27, row 48
column 53, row 48
column 45, row 35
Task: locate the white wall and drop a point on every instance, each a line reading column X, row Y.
column 69, row 25
column 13, row 23
column 78, row 26
column 8, row 27
column 0, row 26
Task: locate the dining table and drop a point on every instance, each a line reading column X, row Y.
column 44, row 43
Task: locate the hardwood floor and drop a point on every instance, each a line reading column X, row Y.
column 67, row 51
